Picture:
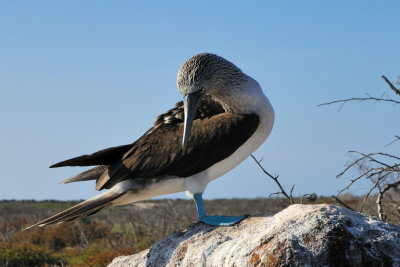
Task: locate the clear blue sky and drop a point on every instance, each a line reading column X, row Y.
column 78, row 76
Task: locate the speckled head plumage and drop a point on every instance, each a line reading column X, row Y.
column 210, row 73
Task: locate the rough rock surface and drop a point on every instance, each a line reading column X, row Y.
column 300, row 235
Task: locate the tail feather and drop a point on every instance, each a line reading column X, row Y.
column 91, row 174
column 71, row 219
column 83, row 209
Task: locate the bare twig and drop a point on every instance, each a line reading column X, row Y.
column 382, row 192
column 302, row 198
column 275, row 178
column 370, row 157
column 342, row 203
column 397, row 91
column 379, row 171
column 397, row 139
column 369, row 97
column 377, row 153
column 361, row 99
column 370, row 172
column 352, row 181
column 377, row 183
column 291, row 193
column 349, row 166
column 275, row 193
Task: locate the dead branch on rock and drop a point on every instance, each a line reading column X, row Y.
column 342, row 203
column 302, row 198
column 382, row 169
column 282, row 191
column 378, row 172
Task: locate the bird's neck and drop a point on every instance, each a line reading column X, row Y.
column 245, row 98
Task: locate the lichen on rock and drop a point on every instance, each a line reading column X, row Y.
column 300, row 235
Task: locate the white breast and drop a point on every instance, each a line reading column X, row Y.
column 252, row 100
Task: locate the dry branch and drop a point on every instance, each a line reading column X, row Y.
column 368, row 98
column 379, row 200
column 397, row 139
column 302, row 198
column 361, row 99
column 376, row 185
column 397, row 91
column 275, row 178
column 342, row 203
column 378, row 170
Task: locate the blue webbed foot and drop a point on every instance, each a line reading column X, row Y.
column 222, row 220
column 214, row 220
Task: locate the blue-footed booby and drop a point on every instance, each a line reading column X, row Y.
column 223, row 118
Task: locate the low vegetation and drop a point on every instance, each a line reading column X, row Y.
column 124, row 230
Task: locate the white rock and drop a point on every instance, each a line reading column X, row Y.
column 300, row 235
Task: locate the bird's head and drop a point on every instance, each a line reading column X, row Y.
column 205, row 74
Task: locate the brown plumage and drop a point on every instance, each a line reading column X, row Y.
column 224, row 117
column 158, row 152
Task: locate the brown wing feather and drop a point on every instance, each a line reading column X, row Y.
column 159, row 152
column 102, row 157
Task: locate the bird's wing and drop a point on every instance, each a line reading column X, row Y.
column 158, row 153
column 102, row 157
column 215, row 135
column 109, row 156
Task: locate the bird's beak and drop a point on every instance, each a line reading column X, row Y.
column 190, row 104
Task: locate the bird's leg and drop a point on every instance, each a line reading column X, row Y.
column 214, row 220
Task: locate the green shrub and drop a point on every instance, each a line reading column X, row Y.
column 23, row 254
